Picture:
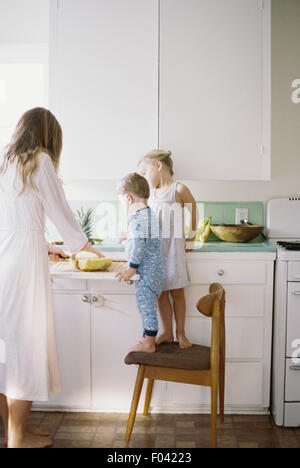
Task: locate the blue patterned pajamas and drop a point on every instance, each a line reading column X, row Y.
column 147, row 304
column 144, row 254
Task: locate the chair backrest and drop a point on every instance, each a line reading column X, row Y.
column 205, row 304
column 213, row 305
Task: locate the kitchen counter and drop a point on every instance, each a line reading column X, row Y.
column 211, row 250
column 91, row 308
column 256, row 245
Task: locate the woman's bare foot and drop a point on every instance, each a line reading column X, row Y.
column 37, row 431
column 184, row 343
column 33, row 441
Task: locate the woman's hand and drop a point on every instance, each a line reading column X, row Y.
column 56, row 253
column 89, row 248
column 125, row 275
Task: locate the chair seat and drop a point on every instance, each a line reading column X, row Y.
column 172, row 356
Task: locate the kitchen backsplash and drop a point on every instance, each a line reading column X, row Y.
column 109, row 217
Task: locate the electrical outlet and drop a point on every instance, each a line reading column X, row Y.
column 241, row 214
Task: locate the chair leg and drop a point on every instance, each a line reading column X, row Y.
column 222, row 390
column 214, row 414
column 135, row 401
column 148, row 396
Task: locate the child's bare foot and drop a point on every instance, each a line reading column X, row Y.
column 143, row 348
column 34, row 441
column 145, row 345
column 165, row 338
column 184, row 343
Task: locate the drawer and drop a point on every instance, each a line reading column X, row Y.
column 111, row 286
column 243, row 387
column 228, row 272
column 65, row 284
column 293, row 319
column 292, row 381
column 244, row 337
column 293, row 271
column 236, row 306
column 292, row 414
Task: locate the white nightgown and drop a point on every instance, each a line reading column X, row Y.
column 171, row 219
column 28, row 359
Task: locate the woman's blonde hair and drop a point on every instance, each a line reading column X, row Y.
column 160, row 155
column 37, row 131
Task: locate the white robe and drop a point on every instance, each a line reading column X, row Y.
column 28, row 359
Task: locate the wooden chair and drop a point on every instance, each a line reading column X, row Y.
column 199, row 365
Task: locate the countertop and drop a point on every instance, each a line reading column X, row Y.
column 258, row 249
column 256, row 245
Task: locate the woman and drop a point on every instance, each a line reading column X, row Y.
column 30, row 190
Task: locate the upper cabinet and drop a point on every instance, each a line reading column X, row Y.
column 104, row 88
column 192, row 76
column 215, row 88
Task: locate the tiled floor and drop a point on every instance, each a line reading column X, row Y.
column 71, row 430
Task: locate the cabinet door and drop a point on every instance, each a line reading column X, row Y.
column 215, row 87
column 116, row 326
column 104, row 84
column 72, row 323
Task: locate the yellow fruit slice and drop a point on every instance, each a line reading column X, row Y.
column 94, row 264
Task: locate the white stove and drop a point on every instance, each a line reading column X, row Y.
column 283, row 229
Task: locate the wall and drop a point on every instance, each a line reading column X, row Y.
column 24, row 21
column 285, row 115
column 285, row 126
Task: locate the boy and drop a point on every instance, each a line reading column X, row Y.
column 144, row 256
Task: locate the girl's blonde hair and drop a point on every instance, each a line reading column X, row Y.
column 37, row 131
column 160, row 155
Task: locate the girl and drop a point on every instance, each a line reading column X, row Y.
column 167, row 201
column 30, row 190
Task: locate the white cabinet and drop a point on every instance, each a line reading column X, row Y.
column 72, row 323
column 249, row 298
column 104, row 86
column 94, row 337
column 192, row 76
column 116, row 326
column 215, row 88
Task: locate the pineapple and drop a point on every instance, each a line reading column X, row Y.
column 86, row 222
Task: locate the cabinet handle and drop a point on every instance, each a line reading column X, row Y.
column 220, row 272
column 295, row 368
column 296, row 293
column 85, row 299
column 99, row 300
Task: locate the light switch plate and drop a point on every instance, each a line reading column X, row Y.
column 241, row 214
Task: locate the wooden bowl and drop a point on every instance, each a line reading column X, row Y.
column 236, row 232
